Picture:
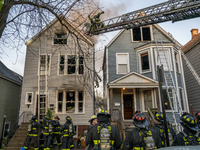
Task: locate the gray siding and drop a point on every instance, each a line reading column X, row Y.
column 192, row 86
column 149, row 74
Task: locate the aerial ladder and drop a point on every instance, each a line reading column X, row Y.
column 172, row 10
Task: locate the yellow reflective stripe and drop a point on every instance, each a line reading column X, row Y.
column 46, row 127
column 32, row 134
column 59, row 143
column 71, row 146
column 46, row 133
column 137, row 148
column 25, row 147
column 66, row 135
column 112, row 142
column 56, row 132
column 34, row 128
column 66, row 130
column 36, row 148
column 96, row 142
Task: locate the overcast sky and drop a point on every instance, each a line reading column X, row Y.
column 179, row 30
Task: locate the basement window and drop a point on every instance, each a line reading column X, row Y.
column 60, row 38
column 141, row 34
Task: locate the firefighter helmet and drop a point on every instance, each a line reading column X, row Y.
column 34, row 118
column 68, row 118
column 47, row 117
column 189, row 121
column 140, row 120
column 197, row 115
column 103, row 112
column 92, row 118
column 159, row 117
column 56, row 117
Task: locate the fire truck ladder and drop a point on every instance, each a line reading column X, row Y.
column 172, row 10
column 171, row 89
column 42, row 86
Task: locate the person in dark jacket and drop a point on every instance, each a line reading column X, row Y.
column 32, row 133
column 140, row 137
column 68, row 132
column 97, row 132
column 46, row 121
column 190, row 133
column 92, row 121
column 55, row 132
column 159, row 129
column 197, row 115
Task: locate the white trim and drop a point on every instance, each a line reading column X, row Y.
column 179, row 69
column 149, row 57
column 36, row 94
column 4, row 137
column 153, row 64
column 107, row 65
column 142, row 98
column 151, row 34
column 128, row 66
column 184, row 102
column 115, row 38
column 26, row 99
column 108, row 100
column 44, row 54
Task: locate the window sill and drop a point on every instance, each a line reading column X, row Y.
column 145, row 72
column 79, row 113
column 69, row 74
column 121, row 73
column 28, row 103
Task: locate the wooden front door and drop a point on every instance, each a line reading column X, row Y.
column 128, row 106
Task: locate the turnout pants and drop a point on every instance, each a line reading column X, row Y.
column 45, row 141
column 50, row 140
column 35, row 141
column 66, row 143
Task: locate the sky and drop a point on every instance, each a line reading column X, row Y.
column 112, row 8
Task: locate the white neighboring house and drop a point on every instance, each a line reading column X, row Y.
column 60, row 68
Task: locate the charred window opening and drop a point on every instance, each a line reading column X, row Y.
column 71, row 64
column 145, row 61
column 60, row 38
column 141, row 34
column 60, row 101
column 29, row 98
column 70, row 101
column 62, row 64
column 80, row 70
column 80, row 101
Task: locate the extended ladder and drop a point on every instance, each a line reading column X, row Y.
column 171, row 89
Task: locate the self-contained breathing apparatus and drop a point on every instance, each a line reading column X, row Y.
column 148, row 142
column 30, row 127
column 50, row 128
column 162, row 133
column 191, row 140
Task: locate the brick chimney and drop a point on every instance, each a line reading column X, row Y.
column 194, row 32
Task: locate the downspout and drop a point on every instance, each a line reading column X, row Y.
column 93, row 79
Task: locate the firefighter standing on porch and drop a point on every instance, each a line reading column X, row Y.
column 32, row 133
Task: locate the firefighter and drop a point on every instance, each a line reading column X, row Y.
column 190, row 133
column 68, row 132
column 140, row 137
column 159, row 129
column 92, row 121
column 96, row 20
column 46, row 122
column 197, row 115
column 55, row 132
column 32, row 133
column 103, row 135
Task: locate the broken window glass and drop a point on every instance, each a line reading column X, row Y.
column 62, row 64
column 80, row 101
column 70, row 101
column 146, row 34
column 71, row 64
column 145, row 61
column 136, row 34
column 60, row 101
column 80, row 71
column 60, row 38
column 141, row 34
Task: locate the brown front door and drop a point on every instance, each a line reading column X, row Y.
column 128, row 106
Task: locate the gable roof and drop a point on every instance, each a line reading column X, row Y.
column 133, row 79
column 10, row 75
column 51, row 24
column 193, row 42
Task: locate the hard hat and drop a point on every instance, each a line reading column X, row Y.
column 103, row 112
column 92, row 118
column 22, row 148
column 68, row 118
column 189, row 121
column 56, row 117
column 159, row 117
column 197, row 115
column 34, row 118
column 140, row 120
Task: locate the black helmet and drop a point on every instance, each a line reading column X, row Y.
column 189, row 121
column 34, row 118
column 159, row 117
column 197, row 115
column 68, row 118
column 140, row 120
column 103, row 112
column 56, row 117
column 48, row 117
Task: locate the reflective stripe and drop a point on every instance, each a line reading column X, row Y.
column 71, row 146
column 46, row 133
column 46, row 127
column 36, row 148
column 59, row 143
column 96, row 142
column 32, row 134
column 137, row 148
column 66, row 130
column 34, row 128
column 25, row 147
column 187, row 141
column 56, row 132
column 66, row 135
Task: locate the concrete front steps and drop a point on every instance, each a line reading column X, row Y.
column 19, row 138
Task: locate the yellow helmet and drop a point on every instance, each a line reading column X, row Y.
column 92, row 118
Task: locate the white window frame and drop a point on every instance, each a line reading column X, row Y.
column 151, row 34
column 4, row 129
column 49, row 64
column 26, row 98
column 128, row 67
column 140, row 65
column 184, row 102
column 36, row 94
column 178, row 61
column 53, row 38
column 142, row 97
column 64, row 102
column 65, row 65
column 169, row 57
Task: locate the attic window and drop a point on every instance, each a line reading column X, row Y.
column 142, row 34
column 60, row 38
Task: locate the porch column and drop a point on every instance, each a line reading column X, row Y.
column 111, row 103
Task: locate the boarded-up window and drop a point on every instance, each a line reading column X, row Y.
column 71, row 64
column 80, row 69
column 122, row 63
column 62, row 64
column 60, row 38
column 147, row 99
column 162, row 58
column 60, row 101
column 141, row 34
column 145, row 62
column 70, row 101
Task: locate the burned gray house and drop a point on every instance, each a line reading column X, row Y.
column 58, row 75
